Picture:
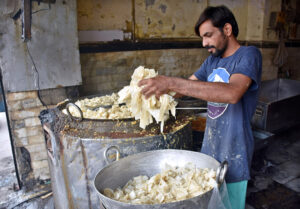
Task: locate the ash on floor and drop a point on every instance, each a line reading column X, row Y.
column 275, row 172
column 43, row 202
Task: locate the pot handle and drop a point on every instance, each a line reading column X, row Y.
column 78, row 109
column 221, row 172
column 53, row 151
column 112, row 148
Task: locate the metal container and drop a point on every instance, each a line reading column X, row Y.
column 76, row 150
column 278, row 105
column 118, row 173
column 186, row 101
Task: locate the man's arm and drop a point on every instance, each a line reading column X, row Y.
column 192, row 77
column 210, row 91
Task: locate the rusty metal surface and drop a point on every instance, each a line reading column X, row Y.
column 27, row 20
column 76, row 150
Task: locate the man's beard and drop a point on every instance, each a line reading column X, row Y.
column 218, row 52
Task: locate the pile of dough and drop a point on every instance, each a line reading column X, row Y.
column 173, row 184
column 136, row 104
column 90, row 110
column 143, row 109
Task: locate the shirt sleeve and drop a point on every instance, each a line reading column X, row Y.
column 201, row 73
column 251, row 65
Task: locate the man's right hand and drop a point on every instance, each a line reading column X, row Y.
column 157, row 86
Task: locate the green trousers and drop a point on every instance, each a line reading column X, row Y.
column 237, row 194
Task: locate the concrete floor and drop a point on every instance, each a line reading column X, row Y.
column 275, row 173
column 9, row 196
column 5, row 148
column 7, row 170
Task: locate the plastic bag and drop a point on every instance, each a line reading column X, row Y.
column 219, row 198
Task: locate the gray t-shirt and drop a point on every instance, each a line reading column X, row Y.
column 228, row 135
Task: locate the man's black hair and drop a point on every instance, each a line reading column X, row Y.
column 219, row 16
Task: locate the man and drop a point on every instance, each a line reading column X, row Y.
column 229, row 80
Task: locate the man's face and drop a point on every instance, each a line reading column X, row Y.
column 213, row 39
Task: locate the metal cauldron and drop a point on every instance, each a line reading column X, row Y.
column 150, row 163
column 76, row 146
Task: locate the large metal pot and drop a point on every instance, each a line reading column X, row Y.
column 150, row 163
column 76, row 147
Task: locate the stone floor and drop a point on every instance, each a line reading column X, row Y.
column 275, row 182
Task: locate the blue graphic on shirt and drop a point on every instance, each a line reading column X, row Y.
column 215, row 110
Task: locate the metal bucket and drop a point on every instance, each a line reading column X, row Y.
column 76, row 150
column 150, row 163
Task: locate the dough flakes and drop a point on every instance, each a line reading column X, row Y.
column 90, row 110
column 172, row 184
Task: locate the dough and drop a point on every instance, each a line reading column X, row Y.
column 146, row 109
column 87, row 105
column 172, row 184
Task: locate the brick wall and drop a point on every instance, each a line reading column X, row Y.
column 27, row 132
column 24, row 109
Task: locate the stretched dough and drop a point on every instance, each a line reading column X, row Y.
column 146, row 109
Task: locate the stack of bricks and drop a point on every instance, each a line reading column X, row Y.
column 23, row 110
